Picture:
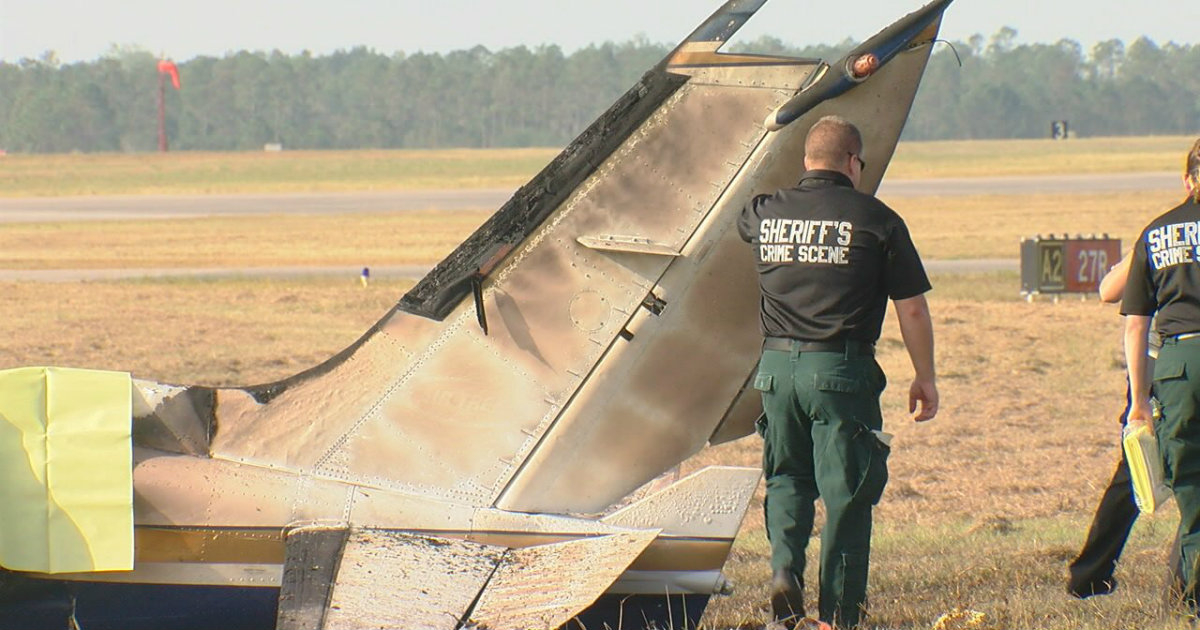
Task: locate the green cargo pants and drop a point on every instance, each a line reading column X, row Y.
column 1177, row 388
column 821, row 409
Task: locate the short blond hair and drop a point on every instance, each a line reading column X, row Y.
column 831, row 140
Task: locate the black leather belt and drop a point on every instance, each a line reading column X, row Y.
column 848, row 346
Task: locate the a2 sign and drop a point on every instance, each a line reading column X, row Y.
column 1066, row 265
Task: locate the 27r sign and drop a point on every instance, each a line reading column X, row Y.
column 1066, row 265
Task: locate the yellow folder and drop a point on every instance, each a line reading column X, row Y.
column 66, row 470
column 1145, row 467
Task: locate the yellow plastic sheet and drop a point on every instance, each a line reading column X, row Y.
column 1145, row 468
column 66, row 470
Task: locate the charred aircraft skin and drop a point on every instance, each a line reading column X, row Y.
column 600, row 328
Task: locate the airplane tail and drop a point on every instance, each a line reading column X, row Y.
column 600, row 327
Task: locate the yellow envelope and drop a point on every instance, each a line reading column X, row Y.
column 1145, row 467
column 66, row 470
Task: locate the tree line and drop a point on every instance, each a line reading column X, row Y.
column 981, row 88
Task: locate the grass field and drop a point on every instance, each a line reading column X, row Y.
column 254, row 241
column 311, row 171
column 244, row 172
column 988, row 158
column 985, row 504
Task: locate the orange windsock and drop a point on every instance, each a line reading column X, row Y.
column 167, row 66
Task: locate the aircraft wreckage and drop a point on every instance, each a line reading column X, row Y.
column 475, row 458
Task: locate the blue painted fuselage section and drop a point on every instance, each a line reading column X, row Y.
column 50, row 605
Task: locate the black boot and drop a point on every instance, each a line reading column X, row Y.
column 787, row 597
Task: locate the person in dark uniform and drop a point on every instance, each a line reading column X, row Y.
column 829, row 258
column 1164, row 282
column 1091, row 572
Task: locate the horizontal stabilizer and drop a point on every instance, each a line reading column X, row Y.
column 547, row 585
column 708, row 503
column 350, row 579
column 309, row 570
column 391, row 579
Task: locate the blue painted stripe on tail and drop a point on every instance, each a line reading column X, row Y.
column 726, row 21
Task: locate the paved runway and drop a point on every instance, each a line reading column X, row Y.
column 184, row 206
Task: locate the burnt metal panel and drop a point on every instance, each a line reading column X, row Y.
column 391, row 579
column 443, row 288
column 573, row 300
column 745, row 410
column 726, row 21
column 436, row 295
column 310, row 569
column 443, row 432
column 706, row 340
column 547, row 585
column 709, row 503
column 172, row 419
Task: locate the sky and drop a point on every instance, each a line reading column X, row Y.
column 84, row 30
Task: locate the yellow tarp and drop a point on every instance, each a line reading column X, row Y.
column 1145, row 468
column 66, row 470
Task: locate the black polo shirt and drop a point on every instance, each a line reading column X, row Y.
column 829, row 257
column 1164, row 276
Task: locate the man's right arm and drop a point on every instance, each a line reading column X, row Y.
column 1138, row 305
column 916, row 327
column 748, row 221
column 1136, row 329
column 1112, row 286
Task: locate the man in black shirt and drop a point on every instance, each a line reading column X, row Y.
column 829, row 258
column 1164, row 281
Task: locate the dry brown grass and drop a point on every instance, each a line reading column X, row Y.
column 989, row 158
column 992, row 226
column 257, row 172
column 238, row 331
column 253, row 241
column 301, row 171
